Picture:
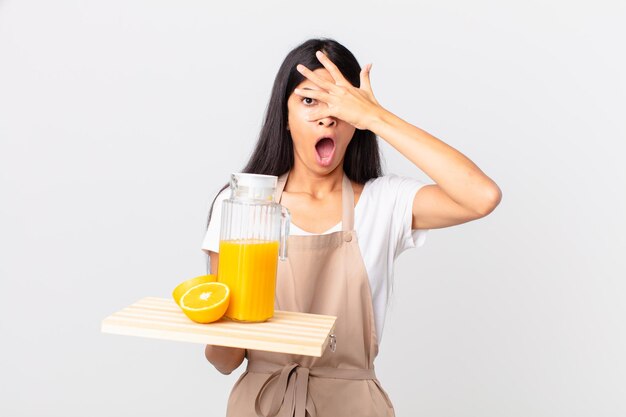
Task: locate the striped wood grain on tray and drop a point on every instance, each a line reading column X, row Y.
column 286, row 332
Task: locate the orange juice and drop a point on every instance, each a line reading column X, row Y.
column 248, row 267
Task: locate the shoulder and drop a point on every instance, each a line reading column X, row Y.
column 377, row 197
column 388, row 200
column 215, row 206
column 386, row 215
column 221, row 196
column 392, row 185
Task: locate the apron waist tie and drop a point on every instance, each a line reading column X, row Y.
column 292, row 385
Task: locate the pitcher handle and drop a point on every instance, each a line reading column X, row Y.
column 285, row 220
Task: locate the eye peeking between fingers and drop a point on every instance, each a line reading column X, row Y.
column 308, row 101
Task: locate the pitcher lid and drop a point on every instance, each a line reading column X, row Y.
column 254, row 186
column 254, row 180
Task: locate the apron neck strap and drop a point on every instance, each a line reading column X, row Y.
column 347, row 199
column 280, row 186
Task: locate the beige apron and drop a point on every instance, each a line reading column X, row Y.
column 323, row 274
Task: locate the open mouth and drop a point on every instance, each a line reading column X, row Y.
column 325, row 149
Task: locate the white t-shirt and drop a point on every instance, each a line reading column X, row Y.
column 382, row 221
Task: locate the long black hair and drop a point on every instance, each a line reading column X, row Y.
column 273, row 153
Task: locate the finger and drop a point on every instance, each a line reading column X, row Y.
column 314, row 94
column 332, row 69
column 318, row 114
column 314, row 78
column 365, row 78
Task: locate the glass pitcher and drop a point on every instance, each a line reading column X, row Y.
column 253, row 236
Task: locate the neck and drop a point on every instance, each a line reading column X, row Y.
column 317, row 185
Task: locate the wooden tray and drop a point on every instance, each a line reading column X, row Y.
column 286, row 332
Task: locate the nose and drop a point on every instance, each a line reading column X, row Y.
column 327, row 121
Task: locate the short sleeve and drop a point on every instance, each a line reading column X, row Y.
column 405, row 190
column 211, row 240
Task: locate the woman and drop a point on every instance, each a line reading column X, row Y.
column 349, row 223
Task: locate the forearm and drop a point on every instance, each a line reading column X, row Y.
column 225, row 359
column 456, row 174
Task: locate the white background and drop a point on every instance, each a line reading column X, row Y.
column 120, row 120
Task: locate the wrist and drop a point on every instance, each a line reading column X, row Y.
column 378, row 120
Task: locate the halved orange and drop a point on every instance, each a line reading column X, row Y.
column 184, row 286
column 206, row 303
